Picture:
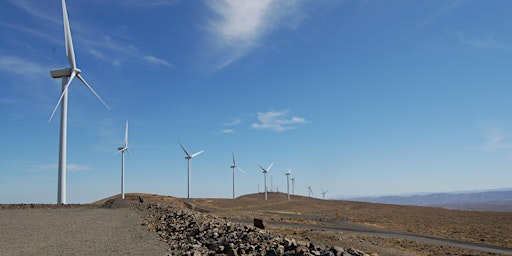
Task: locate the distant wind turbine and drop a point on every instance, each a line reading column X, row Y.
column 310, row 192
column 293, row 185
column 265, row 171
column 288, row 173
column 323, row 193
column 122, row 150
column 67, row 75
column 235, row 167
column 189, row 158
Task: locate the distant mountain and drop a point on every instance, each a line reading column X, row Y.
column 500, row 201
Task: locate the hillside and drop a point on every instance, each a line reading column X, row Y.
column 499, row 201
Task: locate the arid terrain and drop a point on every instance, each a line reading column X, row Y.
column 376, row 229
column 486, row 228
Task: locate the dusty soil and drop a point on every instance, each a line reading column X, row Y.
column 82, row 230
column 489, row 228
column 93, row 230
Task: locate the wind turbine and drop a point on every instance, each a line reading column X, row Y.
column 288, row 173
column 189, row 158
column 234, row 167
column 310, row 192
column 323, row 193
column 67, row 75
column 122, row 150
column 293, row 186
column 265, row 171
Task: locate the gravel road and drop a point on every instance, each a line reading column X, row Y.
column 76, row 231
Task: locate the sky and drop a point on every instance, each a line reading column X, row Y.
column 359, row 98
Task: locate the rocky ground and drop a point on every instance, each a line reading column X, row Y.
column 193, row 233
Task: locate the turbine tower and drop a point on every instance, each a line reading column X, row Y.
column 288, row 173
column 265, row 171
column 293, row 185
column 310, row 192
column 234, row 167
column 323, row 193
column 122, row 150
column 189, row 158
column 67, row 75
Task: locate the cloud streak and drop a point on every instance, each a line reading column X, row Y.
column 239, row 26
column 18, row 66
column 277, row 121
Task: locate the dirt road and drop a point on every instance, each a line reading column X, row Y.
column 72, row 231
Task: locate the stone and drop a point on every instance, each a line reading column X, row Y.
column 259, row 223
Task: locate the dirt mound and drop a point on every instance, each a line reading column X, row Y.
column 116, row 203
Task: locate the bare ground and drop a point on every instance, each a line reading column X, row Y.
column 76, row 231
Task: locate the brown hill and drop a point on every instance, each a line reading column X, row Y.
column 490, row 228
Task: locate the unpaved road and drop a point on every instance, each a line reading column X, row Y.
column 76, row 231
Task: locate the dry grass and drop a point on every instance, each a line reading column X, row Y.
column 491, row 228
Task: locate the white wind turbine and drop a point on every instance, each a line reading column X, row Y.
column 189, row 158
column 265, row 171
column 67, row 75
column 293, row 185
column 234, row 167
column 288, row 173
column 323, row 193
column 310, row 192
column 122, row 150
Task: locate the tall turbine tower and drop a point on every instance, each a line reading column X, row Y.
column 310, row 192
column 323, row 193
column 67, row 75
column 265, row 171
column 293, row 186
column 234, row 167
column 189, row 158
column 288, row 173
column 122, row 150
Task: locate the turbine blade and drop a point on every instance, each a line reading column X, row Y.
column 233, row 153
column 270, row 166
column 186, row 152
column 73, row 74
column 262, row 168
column 70, row 52
column 196, row 154
column 90, row 88
column 126, row 136
column 127, row 150
column 240, row 169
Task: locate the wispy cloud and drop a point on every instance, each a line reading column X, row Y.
column 231, row 124
column 496, row 142
column 227, row 131
column 31, row 8
column 157, row 61
column 19, row 66
column 234, row 122
column 478, row 42
column 69, row 167
column 239, row 26
column 143, row 3
column 277, row 121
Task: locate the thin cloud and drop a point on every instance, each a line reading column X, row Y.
column 228, row 131
column 19, row 66
column 239, row 26
column 29, row 7
column 487, row 42
column 233, row 123
column 69, row 167
column 157, row 61
column 277, row 121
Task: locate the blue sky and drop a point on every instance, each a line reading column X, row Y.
column 356, row 97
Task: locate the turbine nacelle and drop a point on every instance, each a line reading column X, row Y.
column 59, row 73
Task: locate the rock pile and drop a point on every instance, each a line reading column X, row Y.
column 194, row 233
